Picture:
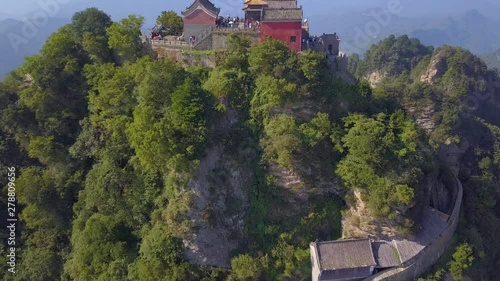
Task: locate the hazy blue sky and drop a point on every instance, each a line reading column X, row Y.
column 151, row 8
column 123, row 7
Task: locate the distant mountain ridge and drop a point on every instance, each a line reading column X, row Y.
column 493, row 60
column 471, row 30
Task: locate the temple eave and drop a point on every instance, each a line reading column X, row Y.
column 187, row 13
column 252, row 9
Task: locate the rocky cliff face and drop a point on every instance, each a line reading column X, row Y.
column 436, row 69
column 220, row 188
column 375, row 77
column 424, row 116
column 358, row 222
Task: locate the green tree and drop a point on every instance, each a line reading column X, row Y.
column 437, row 276
column 245, row 268
column 269, row 93
column 169, row 128
column 91, row 20
column 88, row 28
column 229, row 86
column 373, row 146
column 52, row 104
column 281, row 139
column 124, row 37
column 46, row 197
column 462, row 260
column 171, row 21
column 159, row 255
column 97, row 47
column 318, row 129
column 268, row 57
column 393, row 55
column 231, row 82
column 238, row 47
column 313, row 65
column 102, row 249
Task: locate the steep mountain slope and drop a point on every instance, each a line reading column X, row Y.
column 137, row 167
column 455, row 98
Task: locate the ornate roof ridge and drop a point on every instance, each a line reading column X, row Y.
column 206, row 5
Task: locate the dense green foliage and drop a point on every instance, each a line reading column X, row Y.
column 109, row 142
column 393, row 56
column 124, row 36
column 372, row 146
column 171, row 21
column 455, row 94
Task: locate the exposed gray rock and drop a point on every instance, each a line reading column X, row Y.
column 220, row 189
column 437, row 68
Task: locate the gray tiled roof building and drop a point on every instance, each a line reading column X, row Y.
column 342, row 259
column 349, row 260
column 386, row 254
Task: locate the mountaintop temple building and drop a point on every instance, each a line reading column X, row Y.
column 198, row 17
column 205, row 28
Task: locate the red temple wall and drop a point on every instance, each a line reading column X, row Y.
column 283, row 31
column 199, row 17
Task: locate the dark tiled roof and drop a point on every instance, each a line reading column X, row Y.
column 346, row 274
column 432, row 226
column 343, row 254
column 294, row 14
column 158, row 28
column 386, row 254
column 278, row 4
column 205, row 3
column 337, row 258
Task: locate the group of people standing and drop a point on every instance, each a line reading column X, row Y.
column 227, row 21
column 237, row 22
column 312, row 41
column 156, row 36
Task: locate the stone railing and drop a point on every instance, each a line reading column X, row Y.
column 202, row 36
column 419, row 264
column 167, row 42
column 235, row 29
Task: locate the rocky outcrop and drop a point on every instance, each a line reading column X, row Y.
column 358, row 222
column 424, row 116
column 437, row 68
column 375, row 77
column 220, row 189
